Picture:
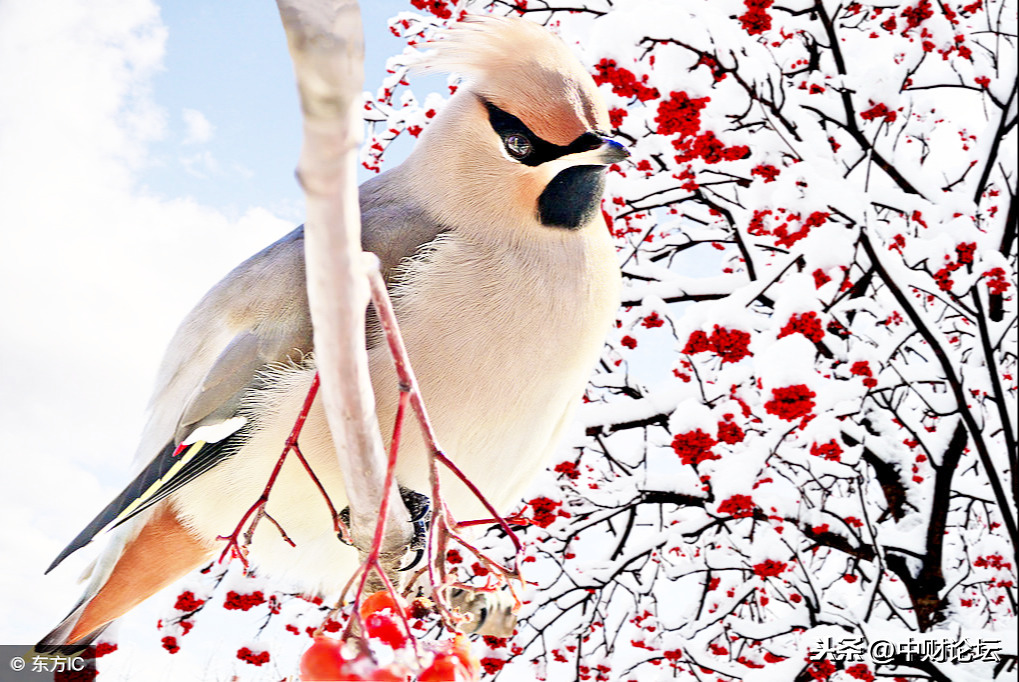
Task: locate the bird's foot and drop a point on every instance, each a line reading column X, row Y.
column 494, row 613
column 420, row 510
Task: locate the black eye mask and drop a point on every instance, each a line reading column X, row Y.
column 506, row 124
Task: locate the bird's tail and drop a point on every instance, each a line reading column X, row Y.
column 59, row 640
column 138, row 563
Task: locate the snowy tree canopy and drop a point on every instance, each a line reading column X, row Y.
column 803, row 427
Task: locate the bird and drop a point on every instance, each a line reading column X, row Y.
column 505, row 283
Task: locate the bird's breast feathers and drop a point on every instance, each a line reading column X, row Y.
column 502, row 341
column 533, row 305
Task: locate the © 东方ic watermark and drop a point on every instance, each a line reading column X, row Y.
column 936, row 650
column 50, row 664
column 20, row 663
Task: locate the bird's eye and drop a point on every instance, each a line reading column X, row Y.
column 517, row 145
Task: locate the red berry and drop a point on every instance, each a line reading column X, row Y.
column 348, row 672
column 322, row 660
column 385, row 628
column 445, row 668
column 387, row 674
column 379, row 601
column 460, row 648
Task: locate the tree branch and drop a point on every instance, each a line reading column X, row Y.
column 327, row 50
column 990, row 470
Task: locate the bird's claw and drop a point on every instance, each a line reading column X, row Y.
column 494, row 613
column 420, row 509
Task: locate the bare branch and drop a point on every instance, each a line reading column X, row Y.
column 326, row 46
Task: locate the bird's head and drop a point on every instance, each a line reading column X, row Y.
column 523, row 143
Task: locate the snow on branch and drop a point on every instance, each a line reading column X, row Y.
column 327, row 49
column 804, row 429
column 801, row 437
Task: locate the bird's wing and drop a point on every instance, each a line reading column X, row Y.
column 391, row 227
column 170, row 469
column 263, row 302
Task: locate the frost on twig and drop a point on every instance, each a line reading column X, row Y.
column 327, row 50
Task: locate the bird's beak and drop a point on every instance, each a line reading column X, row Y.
column 612, row 152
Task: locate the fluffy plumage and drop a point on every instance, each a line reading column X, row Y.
column 522, row 66
column 503, row 312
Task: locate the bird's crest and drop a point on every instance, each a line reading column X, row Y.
column 523, row 68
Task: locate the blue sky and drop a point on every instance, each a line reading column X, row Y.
column 227, row 60
column 145, row 149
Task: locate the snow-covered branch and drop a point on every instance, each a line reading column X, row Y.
column 327, row 49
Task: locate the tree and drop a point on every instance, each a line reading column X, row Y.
column 833, row 451
column 803, row 429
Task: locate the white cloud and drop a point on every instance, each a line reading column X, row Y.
column 199, row 129
column 201, row 165
column 94, row 276
column 242, row 170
